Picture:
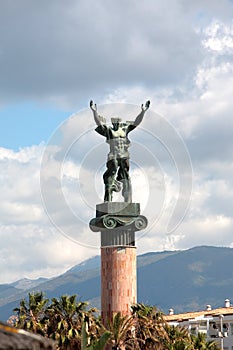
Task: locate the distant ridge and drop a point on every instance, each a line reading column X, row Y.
column 88, row 264
column 26, row 283
column 185, row 280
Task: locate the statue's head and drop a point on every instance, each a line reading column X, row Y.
column 115, row 123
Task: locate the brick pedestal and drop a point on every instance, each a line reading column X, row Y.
column 118, row 281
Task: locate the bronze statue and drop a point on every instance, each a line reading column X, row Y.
column 117, row 172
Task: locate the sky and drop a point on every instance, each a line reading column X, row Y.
column 55, row 56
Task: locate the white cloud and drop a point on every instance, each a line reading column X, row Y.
column 219, row 37
column 213, row 230
column 37, row 250
column 30, row 245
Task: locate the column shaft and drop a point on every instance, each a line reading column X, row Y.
column 118, row 281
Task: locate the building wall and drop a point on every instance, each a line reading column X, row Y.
column 211, row 326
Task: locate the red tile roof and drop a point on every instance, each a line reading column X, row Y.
column 190, row 315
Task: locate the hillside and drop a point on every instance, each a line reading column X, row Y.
column 184, row 280
column 189, row 280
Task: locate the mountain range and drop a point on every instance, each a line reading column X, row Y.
column 184, row 280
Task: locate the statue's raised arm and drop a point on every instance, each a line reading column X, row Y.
column 97, row 118
column 141, row 114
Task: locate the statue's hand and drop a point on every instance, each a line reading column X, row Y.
column 93, row 106
column 147, row 105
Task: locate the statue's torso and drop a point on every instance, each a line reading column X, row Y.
column 117, row 140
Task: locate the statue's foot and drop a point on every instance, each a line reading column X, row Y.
column 128, row 200
column 108, row 196
column 116, row 186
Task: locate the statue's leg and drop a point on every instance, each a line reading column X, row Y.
column 123, row 176
column 127, row 190
column 109, row 177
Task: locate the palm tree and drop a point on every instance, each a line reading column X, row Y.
column 61, row 320
column 31, row 314
column 97, row 344
column 122, row 328
column 149, row 325
column 75, row 327
column 177, row 338
column 201, row 343
column 65, row 317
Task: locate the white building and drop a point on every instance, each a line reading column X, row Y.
column 217, row 324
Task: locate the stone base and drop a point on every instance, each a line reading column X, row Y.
column 118, row 209
column 118, row 218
